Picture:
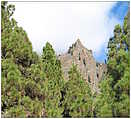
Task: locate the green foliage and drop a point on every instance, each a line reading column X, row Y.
column 33, row 86
column 113, row 101
column 78, row 98
column 22, row 76
column 16, row 111
column 104, row 101
column 11, row 84
column 14, row 40
column 53, row 82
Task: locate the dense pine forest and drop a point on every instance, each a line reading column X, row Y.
column 34, row 86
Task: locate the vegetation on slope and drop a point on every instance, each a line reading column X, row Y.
column 33, row 86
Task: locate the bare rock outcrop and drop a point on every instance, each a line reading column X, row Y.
column 91, row 70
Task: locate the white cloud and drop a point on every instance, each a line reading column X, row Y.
column 62, row 23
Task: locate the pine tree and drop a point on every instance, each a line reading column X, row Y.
column 22, row 78
column 77, row 96
column 114, row 99
column 14, row 40
column 53, row 82
column 104, row 102
column 33, row 86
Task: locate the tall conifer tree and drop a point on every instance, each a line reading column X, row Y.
column 78, row 98
column 114, row 100
column 53, row 82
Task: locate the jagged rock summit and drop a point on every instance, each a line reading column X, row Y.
column 91, row 70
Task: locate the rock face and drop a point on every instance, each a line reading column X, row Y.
column 91, row 71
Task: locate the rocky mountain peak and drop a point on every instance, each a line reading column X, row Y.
column 91, row 71
column 78, row 48
column 78, row 42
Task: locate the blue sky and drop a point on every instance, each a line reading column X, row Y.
column 118, row 11
column 62, row 23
